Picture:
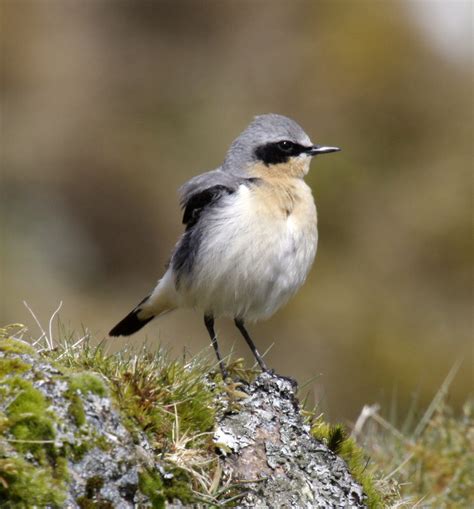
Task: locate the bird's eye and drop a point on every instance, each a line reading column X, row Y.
column 285, row 145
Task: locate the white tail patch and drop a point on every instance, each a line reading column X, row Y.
column 162, row 300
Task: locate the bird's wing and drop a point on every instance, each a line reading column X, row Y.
column 204, row 181
column 199, row 201
column 205, row 190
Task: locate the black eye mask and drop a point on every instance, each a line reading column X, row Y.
column 279, row 152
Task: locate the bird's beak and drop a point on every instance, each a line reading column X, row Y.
column 321, row 149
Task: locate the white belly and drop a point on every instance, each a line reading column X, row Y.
column 253, row 258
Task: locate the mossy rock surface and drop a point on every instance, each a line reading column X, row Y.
column 268, row 445
column 62, row 442
column 84, row 429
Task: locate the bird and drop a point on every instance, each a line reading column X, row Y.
column 250, row 234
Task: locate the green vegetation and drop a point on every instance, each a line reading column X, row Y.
column 26, row 485
column 429, row 464
column 83, row 383
column 14, row 345
column 14, row 365
column 170, row 401
column 175, row 405
column 30, row 421
column 76, row 409
column 336, row 438
column 86, row 382
column 160, row 490
column 91, row 499
column 28, row 427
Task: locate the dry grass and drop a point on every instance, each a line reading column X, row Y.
column 431, row 462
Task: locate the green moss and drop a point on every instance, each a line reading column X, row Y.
column 356, row 460
column 76, row 452
column 151, row 485
column 178, row 486
column 86, row 382
column 26, row 399
column 9, row 345
column 92, row 498
column 94, row 485
column 83, row 383
column 13, row 365
column 85, row 503
column 158, row 394
column 61, row 469
column 4, row 424
column 30, row 425
column 102, row 443
column 85, row 440
column 160, row 490
column 76, row 410
column 162, row 398
column 336, row 438
column 29, row 422
column 159, row 397
column 25, row 485
column 34, row 434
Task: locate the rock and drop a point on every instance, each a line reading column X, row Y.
column 63, row 427
column 64, row 443
column 267, row 446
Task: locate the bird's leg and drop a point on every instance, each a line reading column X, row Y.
column 240, row 325
column 209, row 322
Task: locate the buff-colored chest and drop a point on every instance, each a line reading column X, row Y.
column 257, row 250
column 285, row 199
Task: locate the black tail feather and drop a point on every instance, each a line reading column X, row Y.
column 131, row 323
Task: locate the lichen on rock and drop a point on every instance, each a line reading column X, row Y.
column 267, row 446
column 126, row 431
column 63, row 440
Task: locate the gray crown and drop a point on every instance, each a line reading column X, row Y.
column 263, row 129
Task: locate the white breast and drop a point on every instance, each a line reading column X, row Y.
column 253, row 256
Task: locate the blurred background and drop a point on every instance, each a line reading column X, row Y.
column 109, row 106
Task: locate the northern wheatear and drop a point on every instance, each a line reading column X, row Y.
column 251, row 233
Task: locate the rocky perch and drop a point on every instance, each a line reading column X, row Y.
column 63, row 444
column 66, row 440
column 267, row 446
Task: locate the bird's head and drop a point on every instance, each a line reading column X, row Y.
column 273, row 145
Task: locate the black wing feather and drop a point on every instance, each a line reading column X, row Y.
column 200, row 201
column 194, row 205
